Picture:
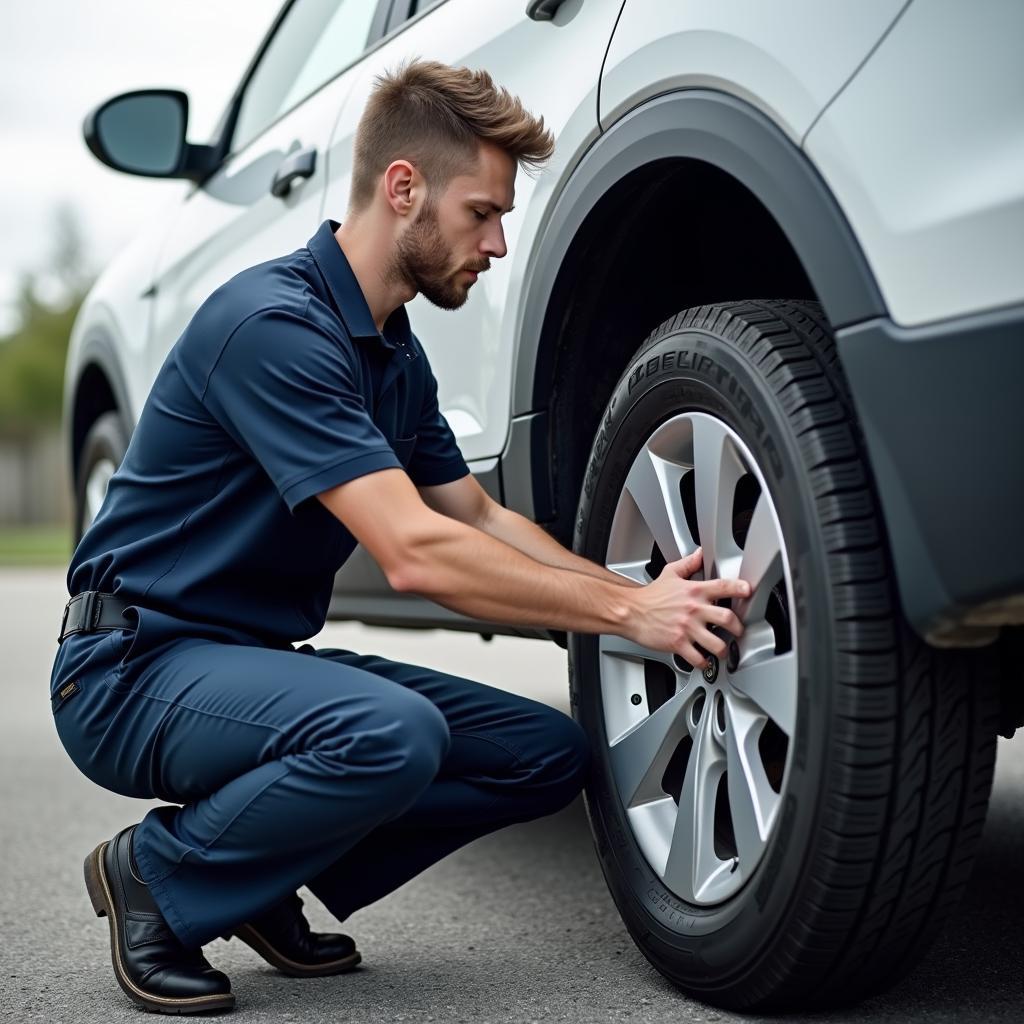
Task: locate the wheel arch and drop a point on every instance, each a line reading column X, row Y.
column 99, row 387
column 605, row 270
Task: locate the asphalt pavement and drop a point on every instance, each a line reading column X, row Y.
column 515, row 927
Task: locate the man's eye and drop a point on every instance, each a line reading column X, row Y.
column 480, row 215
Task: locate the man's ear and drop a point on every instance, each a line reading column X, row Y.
column 401, row 180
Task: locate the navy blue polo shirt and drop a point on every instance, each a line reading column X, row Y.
column 279, row 388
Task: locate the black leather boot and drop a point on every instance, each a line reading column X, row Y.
column 283, row 938
column 155, row 970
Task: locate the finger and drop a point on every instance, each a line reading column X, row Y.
column 713, row 590
column 724, row 617
column 688, row 564
column 715, row 644
column 692, row 656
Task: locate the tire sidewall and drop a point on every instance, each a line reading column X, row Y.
column 697, row 370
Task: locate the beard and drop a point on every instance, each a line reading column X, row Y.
column 423, row 261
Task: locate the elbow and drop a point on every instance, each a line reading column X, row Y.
column 416, row 564
column 404, row 579
column 409, row 571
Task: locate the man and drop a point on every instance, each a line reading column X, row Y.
column 296, row 416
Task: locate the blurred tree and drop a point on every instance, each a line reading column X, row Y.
column 69, row 261
column 32, row 358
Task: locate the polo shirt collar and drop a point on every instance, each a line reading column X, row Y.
column 348, row 296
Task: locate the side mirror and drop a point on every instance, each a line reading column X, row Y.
column 143, row 132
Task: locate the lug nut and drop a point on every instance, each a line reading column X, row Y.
column 734, row 656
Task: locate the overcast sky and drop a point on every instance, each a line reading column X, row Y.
column 59, row 59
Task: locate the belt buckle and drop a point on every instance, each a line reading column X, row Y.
column 91, row 605
column 64, row 619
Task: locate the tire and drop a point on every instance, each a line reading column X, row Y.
column 829, row 884
column 102, row 451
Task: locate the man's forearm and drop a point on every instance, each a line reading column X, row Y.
column 469, row 571
column 424, row 550
column 520, row 533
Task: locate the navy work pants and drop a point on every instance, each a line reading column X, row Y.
column 344, row 772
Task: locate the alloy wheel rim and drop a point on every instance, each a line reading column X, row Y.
column 700, row 760
column 96, row 489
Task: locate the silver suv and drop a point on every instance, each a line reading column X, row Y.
column 766, row 298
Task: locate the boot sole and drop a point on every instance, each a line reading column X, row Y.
column 292, row 968
column 98, row 886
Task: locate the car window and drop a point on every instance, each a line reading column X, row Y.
column 416, row 6
column 403, row 11
column 316, row 40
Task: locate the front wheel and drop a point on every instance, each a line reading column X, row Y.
column 789, row 826
column 102, row 451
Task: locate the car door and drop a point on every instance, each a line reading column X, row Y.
column 265, row 198
column 554, row 68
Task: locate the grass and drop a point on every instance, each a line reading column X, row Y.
column 35, row 545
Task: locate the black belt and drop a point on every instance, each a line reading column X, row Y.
column 93, row 610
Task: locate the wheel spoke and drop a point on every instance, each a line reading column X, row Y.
column 635, row 570
column 752, row 801
column 771, row 684
column 716, row 471
column 691, row 857
column 644, row 752
column 761, row 564
column 653, row 483
column 619, row 647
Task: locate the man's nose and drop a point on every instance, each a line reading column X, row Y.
column 494, row 242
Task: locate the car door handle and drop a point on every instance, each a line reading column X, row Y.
column 542, row 10
column 299, row 165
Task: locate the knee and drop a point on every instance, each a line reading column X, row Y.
column 405, row 741
column 566, row 760
column 422, row 739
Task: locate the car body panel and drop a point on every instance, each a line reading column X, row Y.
column 944, row 426
column 788, row 60
column 924, row 150
column 113, row 322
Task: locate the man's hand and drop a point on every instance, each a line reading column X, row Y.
column 673, row 612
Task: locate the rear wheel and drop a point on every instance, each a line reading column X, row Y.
column 790, row 826
column 102, row 452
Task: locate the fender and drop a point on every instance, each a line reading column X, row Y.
column 97, row 350
column 733, row 136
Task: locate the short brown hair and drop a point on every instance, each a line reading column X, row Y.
column 434, row 115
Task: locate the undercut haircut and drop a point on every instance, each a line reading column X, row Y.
column 434, row 116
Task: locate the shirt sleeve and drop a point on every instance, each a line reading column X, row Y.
column 436, row 459
column 289, row 394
